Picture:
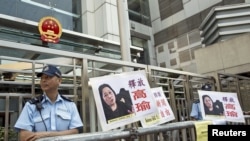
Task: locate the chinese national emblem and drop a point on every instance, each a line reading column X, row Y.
column 50, row 29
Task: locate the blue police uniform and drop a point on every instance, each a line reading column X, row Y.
column 58, row 116
column 196, row 110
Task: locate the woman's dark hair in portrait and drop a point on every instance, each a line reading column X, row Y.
column 101, row 87
column 217, row 107
column 109, row 113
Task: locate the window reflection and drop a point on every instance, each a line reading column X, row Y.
column 139, row 11
column 66, row 11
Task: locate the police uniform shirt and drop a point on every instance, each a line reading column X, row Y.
column 58, row 116
column 196, row 111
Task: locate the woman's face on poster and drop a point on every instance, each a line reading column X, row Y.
column 108, row 96
column 208, row 102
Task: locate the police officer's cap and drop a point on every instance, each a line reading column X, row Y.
column 50, row 70
column 206, row 87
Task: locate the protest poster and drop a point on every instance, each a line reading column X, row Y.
column 163, row 113
column 220, row 105
column 122, row 98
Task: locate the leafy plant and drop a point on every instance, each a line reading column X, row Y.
column 12, row 135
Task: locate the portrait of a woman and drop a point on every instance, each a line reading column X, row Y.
column 112, row 106
column 212, row 108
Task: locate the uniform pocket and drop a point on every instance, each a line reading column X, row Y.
column 63, row 120
column 40, row 122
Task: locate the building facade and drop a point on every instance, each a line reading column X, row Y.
column 177, row 31
column 90, row 27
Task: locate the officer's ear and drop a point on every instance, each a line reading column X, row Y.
column 59, row 79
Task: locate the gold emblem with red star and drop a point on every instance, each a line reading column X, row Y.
column 50, row 29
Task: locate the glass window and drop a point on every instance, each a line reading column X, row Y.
column 139, row 11
column 66, row 11
column 160, row 49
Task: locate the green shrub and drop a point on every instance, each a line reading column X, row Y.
column 12, row 135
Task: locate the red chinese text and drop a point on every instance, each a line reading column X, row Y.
column 164, row 113
column 142, row 106
column 231, row 114
column 161, row 102
column 230, row 106
column 139, row 94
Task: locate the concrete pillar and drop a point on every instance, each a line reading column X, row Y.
column 124, row 29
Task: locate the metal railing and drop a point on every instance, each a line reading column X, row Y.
column 177, row 131
column 180, row 87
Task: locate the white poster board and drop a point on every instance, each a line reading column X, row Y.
column 164, row 112
column 222, row 105
column 131, row 89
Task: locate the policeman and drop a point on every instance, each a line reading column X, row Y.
column 196, row 108
column 50, row 114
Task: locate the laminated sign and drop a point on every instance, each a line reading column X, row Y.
column 122, row 99
column 220, row 105
column 163, row 113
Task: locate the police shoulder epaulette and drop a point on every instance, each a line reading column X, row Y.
column 67, row 99
column 197, row 101
column 36, row 99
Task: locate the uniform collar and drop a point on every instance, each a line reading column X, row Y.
column 46, row 98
